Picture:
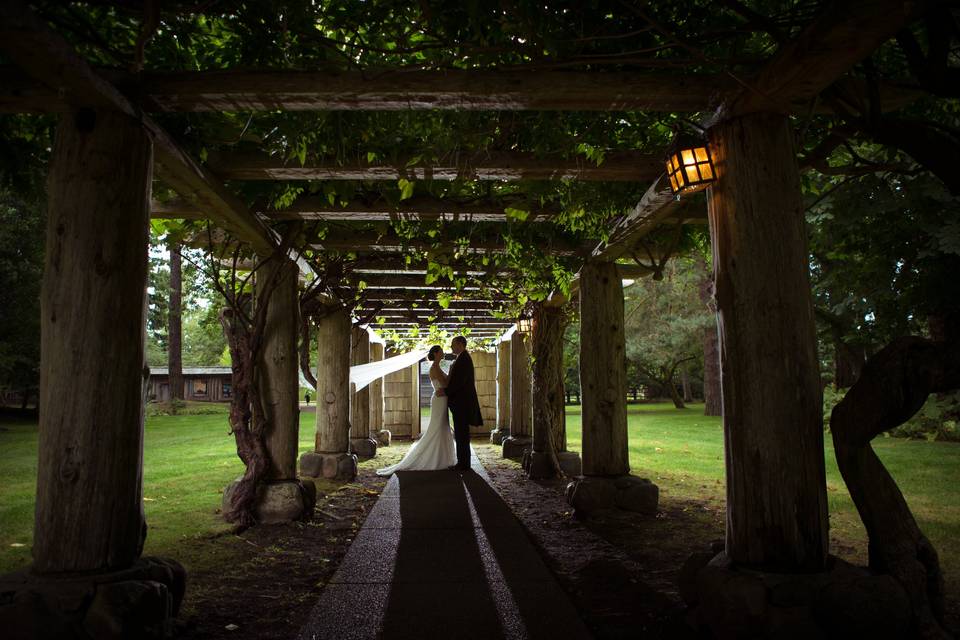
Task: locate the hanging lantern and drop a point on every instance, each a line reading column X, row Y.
column 525, row 324
column 689, row 164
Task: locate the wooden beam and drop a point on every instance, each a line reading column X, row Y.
column 628, row 166
column 656, row 205
column 48, row 58
column 841, row 36
column 373, row 242
column 402, row 90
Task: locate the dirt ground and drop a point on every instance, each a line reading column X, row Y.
column 621, row 570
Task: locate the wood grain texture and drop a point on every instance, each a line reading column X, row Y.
column 521, row 410
column 770, row 380
column 333, row 382
column 279, row 377
column 89, row 512
column 360, row 400
column 549, row 418
column 503, row 384
column 376, row 391
column 603, row 371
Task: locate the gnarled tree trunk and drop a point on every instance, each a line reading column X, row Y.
column 893, row 386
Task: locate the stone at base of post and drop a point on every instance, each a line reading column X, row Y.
column 538, row 464
column 332, row 466
column 383, row 437
column 139, row 602
column 570, row 463
column 498, row 435
column 844, row 601
column 513, row 447
column 279, row 501
column 590, row 494
column 363, row 447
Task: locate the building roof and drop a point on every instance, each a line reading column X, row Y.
column 193, row 371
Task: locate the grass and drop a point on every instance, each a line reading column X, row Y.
column 682, row 451
column 189, row 459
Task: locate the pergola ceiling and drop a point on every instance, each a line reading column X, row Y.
column 51, row 77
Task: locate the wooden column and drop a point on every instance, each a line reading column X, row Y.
column 89, row 514
column 770, row 379
column 521, row 418
column 361, row 441
column 603, row 371
column 502, row 429
column 332, row 457
column 377, row 429
column 416, row 420
column 279, row 366
column 175, row 323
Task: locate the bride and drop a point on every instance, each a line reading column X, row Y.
column 435, row 449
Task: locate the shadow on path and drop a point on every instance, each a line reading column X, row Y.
column 442, row 556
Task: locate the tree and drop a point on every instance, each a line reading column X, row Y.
column 664, row 322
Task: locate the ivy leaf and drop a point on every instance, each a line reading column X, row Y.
column 443, row 299
column 519, row 215
column 406, row 188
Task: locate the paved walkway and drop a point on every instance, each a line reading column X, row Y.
column 442, row 556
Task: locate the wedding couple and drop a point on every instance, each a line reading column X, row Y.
column 439, row 448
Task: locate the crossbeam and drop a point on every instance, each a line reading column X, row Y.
column 629, row 166
column 373, row 242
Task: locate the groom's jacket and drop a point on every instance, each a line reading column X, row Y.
column 462, row 390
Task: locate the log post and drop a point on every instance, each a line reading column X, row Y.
column 603, row 385
column 280, row 381
column 416, row 421
column 175, row 323
column 87, row 577
column 770, row 377
column 502, row 430
column 377, row 430
column 521, row 418
column 549, row 455
column 331, row 457
column 361, row 441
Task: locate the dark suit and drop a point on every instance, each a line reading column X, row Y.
column 463, row 403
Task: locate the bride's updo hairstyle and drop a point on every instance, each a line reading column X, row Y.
column 433, row 351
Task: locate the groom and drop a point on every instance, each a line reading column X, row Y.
column 462, row 399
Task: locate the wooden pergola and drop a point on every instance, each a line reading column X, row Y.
column 110, row 148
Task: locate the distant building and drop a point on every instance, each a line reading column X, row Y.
column 204, row 384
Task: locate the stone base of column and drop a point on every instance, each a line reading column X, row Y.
column 278, row 501
column 332, row 466
column 513, row 447
column 363, row 447
column 383, row 437
column 590, row 494
column 498, row 435
column 842, row 601
column 538, row 464
column 139, row 602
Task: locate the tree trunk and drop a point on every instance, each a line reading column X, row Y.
column 772, row 404
column 333, row 382
column 279, row 382
column 521, row 418
column 603, row 371
column 712, row 396
column 671, row 386
column 685, row 381
column 175, row 323
column 894, row 385
column 503, row 384
column 89, row 513
column 304, row 347
column 360, row 402
column 549, row 420
column 847, row 362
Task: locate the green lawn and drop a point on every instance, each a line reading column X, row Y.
column 682, row 451
column 188, row 459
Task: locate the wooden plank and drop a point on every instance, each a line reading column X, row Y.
column 420, row 207
column 48, row 58
column 656, row 205
column 629, row 166
column 373, row 242
column 841, row 36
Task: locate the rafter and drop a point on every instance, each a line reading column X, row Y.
column 629, row 166
column 374, row 242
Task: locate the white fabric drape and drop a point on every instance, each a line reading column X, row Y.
column 363, row 374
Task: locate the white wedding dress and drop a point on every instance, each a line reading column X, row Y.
column 436, row 448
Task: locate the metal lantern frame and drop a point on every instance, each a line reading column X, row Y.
column 689, row 164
